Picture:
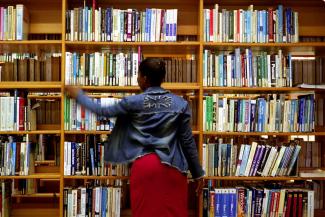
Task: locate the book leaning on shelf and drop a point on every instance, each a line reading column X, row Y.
column 258, row 201
column 92, row 201
column 247, row 69
column 257, row 159
column 249, row 113
column 117, row 25
column 87, row 158
column 251, row 26
column 14, row 22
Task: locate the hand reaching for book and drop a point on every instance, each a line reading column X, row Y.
column 72, row 91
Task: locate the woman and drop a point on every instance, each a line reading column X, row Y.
column 153, row 131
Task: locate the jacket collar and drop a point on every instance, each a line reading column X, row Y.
column 155, row 90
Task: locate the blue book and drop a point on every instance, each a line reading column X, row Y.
column 280, row 23
column 293, row 159
column 221, row 63
column 233, row 202
column 223, row 203
column 104, row 201
column 13, row 159
column 149, row 24
column 217, row 201
column 244, row 160
column 92, row 161
column 73, row 158
column 248, row 26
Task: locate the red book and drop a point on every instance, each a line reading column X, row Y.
column 270, row 25
column 272, row 203
column 21, row 117
column 288, row 205
column 83, row 118
column 277, row 195
column 295, row 203
column 300, row 204
column 211, row 25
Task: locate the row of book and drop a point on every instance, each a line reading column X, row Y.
column 256, row 159
column 30, row 67
column 258, row 201
column 109, row 24
column 102, row 68
column 92, row 201
column 270, row 113
column 14, row 22
column 76, row 117
column 87, row 158
column 251, row 25
column 310, row 156
column 180, row 70
column 247, row 69
column 47, row 148
column 16, row 158
column 17, row 114
column 47, row 111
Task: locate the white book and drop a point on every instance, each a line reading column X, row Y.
column 69, row 159
column 158, row 25
column 268, row 162
column 250, row 158
column 215, row 22
column 272, row 163
column 74, row 202
column 70, row 207
column 240, row 157
column 153, row 25
column 83, row 201
column 310, row 204
column 281, row 203
column 22, row 22
column 278, row 160
column 265, row 202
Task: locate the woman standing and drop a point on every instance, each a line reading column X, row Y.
column 153, row 131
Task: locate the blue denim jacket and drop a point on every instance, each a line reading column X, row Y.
column 153, row 121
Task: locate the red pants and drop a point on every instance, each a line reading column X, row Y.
column 157, row 190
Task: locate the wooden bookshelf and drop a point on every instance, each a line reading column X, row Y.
column 48, row 17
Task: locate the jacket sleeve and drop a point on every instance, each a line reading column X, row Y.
column 188, row 145
column 120, row 108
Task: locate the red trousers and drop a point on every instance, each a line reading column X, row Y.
column 157, row 190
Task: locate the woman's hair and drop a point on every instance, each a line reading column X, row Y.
column 154, row 69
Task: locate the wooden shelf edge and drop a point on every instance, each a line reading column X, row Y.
column 34, row 176
column 96, row 177
column 38, row 195
column 259, row 178
column 30, row 132
column 263, row 133
column 92, row 43
column 239, row 44
column 32, row 42
column 259, row 89
column 86, row 132
column 30, row 85
column 169, row 86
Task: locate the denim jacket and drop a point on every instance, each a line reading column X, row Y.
column 155, row 121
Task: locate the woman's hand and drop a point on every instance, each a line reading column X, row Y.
column 72, row 91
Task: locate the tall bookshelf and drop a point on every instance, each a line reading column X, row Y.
column 49, row 17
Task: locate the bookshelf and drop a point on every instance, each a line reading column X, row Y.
column 47, row 18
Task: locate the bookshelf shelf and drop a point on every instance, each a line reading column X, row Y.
column 43, row 97
column 258, row 89
column 37, row 195
column 169, row 86
column 34, row 176
column 32, row 42
column 263, row 134
column 97, row 177
column 87, row 132
column 30, row 132
column 235, row 178
column 30, row 85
